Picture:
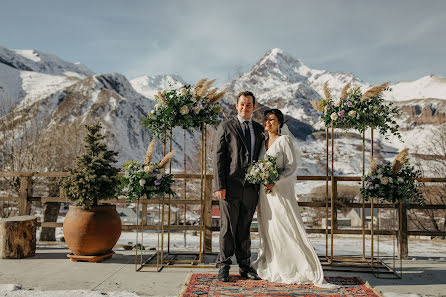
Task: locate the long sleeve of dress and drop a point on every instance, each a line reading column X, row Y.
column 290, row 159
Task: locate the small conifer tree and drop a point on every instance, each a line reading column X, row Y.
column 93, row 178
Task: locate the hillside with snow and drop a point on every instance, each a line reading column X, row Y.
column 40, row 85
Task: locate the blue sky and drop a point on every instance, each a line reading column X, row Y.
column 375, row 40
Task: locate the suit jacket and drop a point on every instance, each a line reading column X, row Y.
column 230, row 156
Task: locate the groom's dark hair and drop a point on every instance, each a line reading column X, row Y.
column 247, row 94
column 277, row 113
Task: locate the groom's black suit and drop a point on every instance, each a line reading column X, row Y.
column 230, row 162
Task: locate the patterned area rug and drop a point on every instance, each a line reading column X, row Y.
column 206, row 284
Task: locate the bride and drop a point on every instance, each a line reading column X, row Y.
column 286, row 255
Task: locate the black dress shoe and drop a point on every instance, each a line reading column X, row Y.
column 223, row 273
column 247, row 272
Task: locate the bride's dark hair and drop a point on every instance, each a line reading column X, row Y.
column 277, row 113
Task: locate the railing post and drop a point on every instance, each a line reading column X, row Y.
column 334, row 220
column 207, row 248
column 25, row 194
column 403, row 250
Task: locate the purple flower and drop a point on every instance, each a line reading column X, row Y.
column 370, row 179
column 341, row 113
column 349, row 103
column 157, row 182
column 154, row 173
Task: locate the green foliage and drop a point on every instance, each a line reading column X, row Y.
column 393, row 187
column 352, row 113
column 139, row 181
column 180, row 108
column 93, row 178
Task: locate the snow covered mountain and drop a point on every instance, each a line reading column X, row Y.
column 29, row 75
column 43, row 85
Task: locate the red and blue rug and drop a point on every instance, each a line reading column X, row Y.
column 206, row 284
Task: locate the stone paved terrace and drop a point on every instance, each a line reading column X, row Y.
column 51, row 270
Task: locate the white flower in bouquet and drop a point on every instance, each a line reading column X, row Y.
column 352, row 113
column 385, row 180
column 338, row 102
column 390, row 180
column 380, row 176
column 158, row 105
column 159, row 176
column 183, row 91
column 400, row 179
column 184, row 110
column 334, row 116
column 142, row 182
column 197, row 109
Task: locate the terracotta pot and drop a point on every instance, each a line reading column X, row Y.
column 92, row 232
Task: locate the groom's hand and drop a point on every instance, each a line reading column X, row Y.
column 221, row 195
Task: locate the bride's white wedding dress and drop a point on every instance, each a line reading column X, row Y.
column 286, row 254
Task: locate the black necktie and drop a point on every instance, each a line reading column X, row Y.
column 248, row 138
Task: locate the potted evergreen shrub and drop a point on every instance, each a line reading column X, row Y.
column 91, row 229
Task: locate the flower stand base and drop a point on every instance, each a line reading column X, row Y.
column 100, row 258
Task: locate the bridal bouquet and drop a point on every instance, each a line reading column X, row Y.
column 146, row 179
column 187, row 107
column 263, row 172
column 393, row 182
column 356, row 110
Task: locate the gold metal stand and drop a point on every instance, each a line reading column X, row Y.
column 372, row 263
column 163, row 256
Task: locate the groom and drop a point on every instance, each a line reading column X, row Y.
column 237, row 144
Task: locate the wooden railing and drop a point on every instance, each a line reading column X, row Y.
column 26, row 197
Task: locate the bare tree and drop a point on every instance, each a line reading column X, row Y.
column 432, row 164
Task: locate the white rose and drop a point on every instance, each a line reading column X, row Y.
column 379, row 176
column 158, row 105
column 390, row 180
column 400, row 179
column 184, row 110
column 334, row 116
column 197, row 109
column 183, row 91
column 338, row 102
column 269, row 164
column 142, row 182
column 384, row 180
column 352, row 113
column 159, row 176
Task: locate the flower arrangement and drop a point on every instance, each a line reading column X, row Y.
column 263, row 172
column 147, row 179
column 359, row 111
column 393, row 182
column 187, row 107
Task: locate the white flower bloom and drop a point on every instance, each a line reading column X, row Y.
column 183, row 91
column 384, row 180
column 390, row 180
column 153, row 111
column 184, row 110
column 158, row 105
column 334, row 116
column 400, row 179
column 338, row 102
column 159, row 176
column 352, row 113
column 142, row 182
column 380, row 176
column 380, row 170
column 325, row 109
column 197, row 109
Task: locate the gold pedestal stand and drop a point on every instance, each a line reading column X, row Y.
column 372, row 263
column 163, row 256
